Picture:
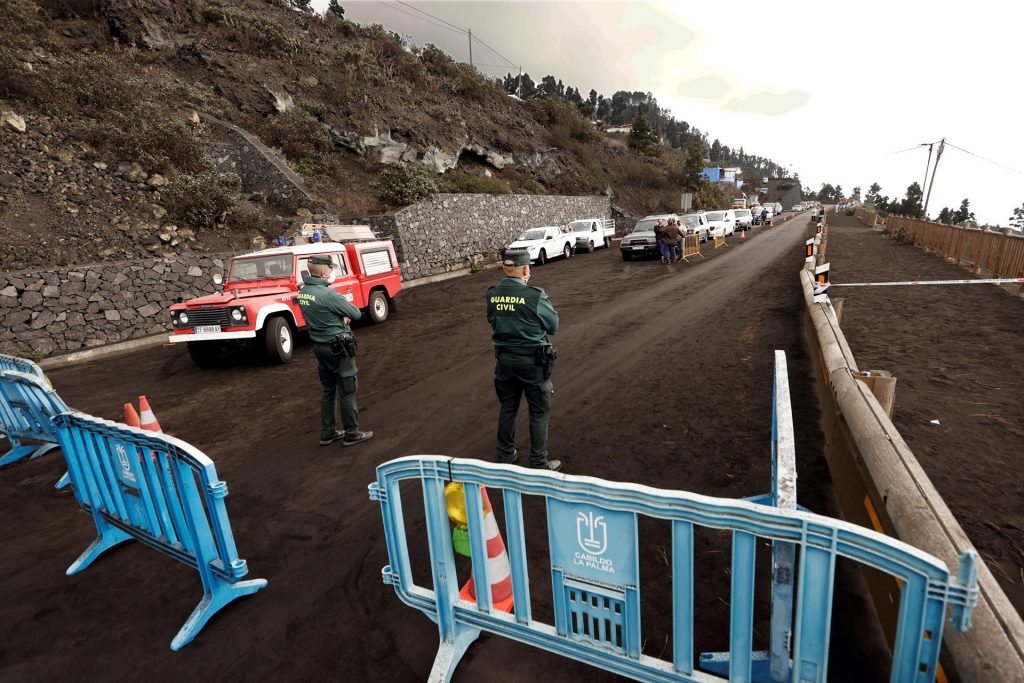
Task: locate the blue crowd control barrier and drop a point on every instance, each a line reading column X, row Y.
column 27, row 406
column 593, row 544
column 162, row 492
column 21, row 365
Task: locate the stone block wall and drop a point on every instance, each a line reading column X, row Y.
column 67, row 309
column 237, row 151
column 446, row 232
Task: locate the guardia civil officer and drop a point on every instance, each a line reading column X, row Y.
column 328, row 315
column 522, row 317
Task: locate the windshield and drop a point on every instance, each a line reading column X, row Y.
column 716, row 216
column 580, row 226
column 742, row 212
column 645, row 225
column 690, row 221
column 260, row 267
column 532, row 235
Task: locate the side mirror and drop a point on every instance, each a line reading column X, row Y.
column 218, row 279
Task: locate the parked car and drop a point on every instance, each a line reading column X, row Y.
column 778, row 208
column 258, row 302
column 744, row 219
column 642, row 241
column 722, row 222
column 593, row 232
column 766, row 211
column 543, row 244
column 696, row 223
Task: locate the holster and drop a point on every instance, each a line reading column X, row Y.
column 546, row 356
column 344, row 344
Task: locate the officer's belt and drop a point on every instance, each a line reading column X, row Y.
column 532, row 353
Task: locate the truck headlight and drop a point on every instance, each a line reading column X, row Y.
column 236, row 315
column 182, row 318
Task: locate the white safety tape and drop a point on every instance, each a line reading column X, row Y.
column 993, row 281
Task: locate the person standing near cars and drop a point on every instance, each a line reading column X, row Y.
column 328, row 315
column 521, row 319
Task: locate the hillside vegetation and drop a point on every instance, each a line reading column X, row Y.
column 113, row 153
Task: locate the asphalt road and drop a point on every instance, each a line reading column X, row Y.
column 663, row 378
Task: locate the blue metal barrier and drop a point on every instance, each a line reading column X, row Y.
column 27, row 405
column 594, row 549
column 162, row 492
column 21, row 365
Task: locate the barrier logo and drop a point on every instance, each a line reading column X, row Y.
column 126, row 465
column 593, row 543
column 592, row 533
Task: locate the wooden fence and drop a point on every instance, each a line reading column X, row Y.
column 982, row 251
column 867, row 217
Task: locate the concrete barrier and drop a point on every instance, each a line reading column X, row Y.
column 880, row 484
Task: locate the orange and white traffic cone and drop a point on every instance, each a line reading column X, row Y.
column 148, row 419
column 131, row 418
column 499, row 572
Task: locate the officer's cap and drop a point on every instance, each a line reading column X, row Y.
column 516, row 258
column 320, row 260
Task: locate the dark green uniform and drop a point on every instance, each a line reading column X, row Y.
column 522, row 317
column 324, row 310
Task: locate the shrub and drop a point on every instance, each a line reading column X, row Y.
column 405, row 183
column 201, row 199
column 254, row 31
column 298, row 134
column 901, row 234
column 480, row 184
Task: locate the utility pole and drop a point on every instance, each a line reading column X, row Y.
column 519, row 84
column 938, row 155
column 924, row 183
column 470, row 48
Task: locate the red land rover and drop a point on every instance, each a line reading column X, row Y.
column 257, row 304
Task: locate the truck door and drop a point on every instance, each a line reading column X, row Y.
column 345, row 282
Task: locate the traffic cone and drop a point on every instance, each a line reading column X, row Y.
column 743, row 234
column 131, row 418
column 147, row 418
column 499, row 572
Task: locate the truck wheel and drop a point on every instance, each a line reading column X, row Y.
column 626, row 256
column 607, row 242
column 542, row 258
column 204, row 354
column 567, row 251
column 378, row 306
column 590, row 247
column 279, row 339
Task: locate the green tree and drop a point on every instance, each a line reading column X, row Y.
column 964, row 213
column 693, row 168
column 945, row 215
column 856, row 193
column 716, row 151
column 336, row 9
column 838, row 194
column 643, row 138
column 911, row 205
column 873, row 195
column 1017, row 219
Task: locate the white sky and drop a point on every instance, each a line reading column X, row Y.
column 827, row 88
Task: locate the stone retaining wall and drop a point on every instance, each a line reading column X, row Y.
column 72, row 308
column 447, row 232
column 237, row 151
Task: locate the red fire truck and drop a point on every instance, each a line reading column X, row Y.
column 258, row 306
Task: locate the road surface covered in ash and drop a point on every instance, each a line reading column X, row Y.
column 663, row 378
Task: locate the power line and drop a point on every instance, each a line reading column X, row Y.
column 1008, row 168
column 457, row 28
column 501, row 56
column 909, row 149
column 410, row 14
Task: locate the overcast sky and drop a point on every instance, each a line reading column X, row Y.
column 830, row 89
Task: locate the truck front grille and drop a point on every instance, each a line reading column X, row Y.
column 209, row 316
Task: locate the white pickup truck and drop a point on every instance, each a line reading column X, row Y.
column 593, row 232
column 544, row 243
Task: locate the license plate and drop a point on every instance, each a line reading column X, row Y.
column 207, row 329
column 638, row 248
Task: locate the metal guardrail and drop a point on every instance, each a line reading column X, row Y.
column 27, row 406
